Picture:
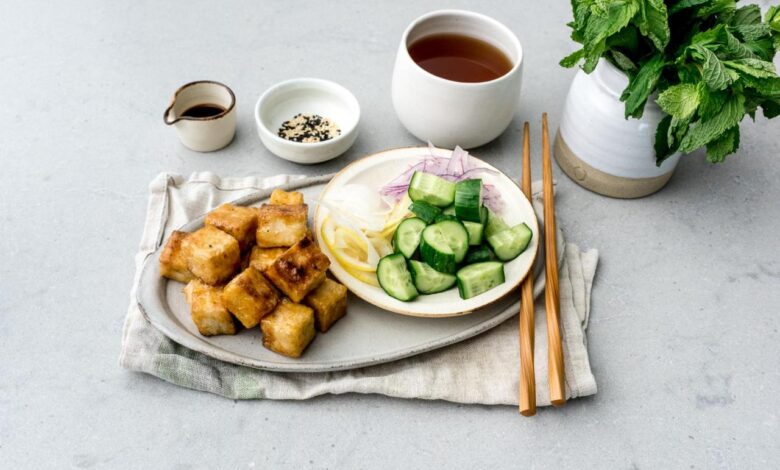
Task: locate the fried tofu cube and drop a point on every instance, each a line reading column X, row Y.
column 280, row 226
column 208, row 312
column 237, row 221
column 173, row 260
column 288, row 329
column 262, row 258
column 329, row 302
column 286, row 198
column 212, row 255
column 249, row 296
column 299, row 270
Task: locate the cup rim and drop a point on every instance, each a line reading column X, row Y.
column 188, row 118
column 465, row 13
column 331, row 87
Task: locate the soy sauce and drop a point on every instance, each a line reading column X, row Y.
column 460, row 58
column 205, row 110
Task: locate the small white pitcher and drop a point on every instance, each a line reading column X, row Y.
column 203, row 134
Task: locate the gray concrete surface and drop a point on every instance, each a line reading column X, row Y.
column 684, row 335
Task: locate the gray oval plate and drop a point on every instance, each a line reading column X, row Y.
column 366, row 336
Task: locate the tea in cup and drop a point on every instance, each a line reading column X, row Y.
column 457, row 78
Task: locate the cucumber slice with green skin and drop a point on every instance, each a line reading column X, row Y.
column 509, row 243
column 429, row 281
column 427, row 212
column 478, row 255
column 450, row 210
column 443, row 245
column 475, row 232
column 431, row 189
column 468, row 200
column 406, row 238
column 395, row 279
column 494, row 224
column 478, row 278
column 444, row 217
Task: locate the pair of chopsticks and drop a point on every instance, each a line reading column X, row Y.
column 527, row 397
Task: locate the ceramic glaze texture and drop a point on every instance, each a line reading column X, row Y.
column 594, row 126
column 448, row 113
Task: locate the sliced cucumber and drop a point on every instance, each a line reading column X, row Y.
column 427, row 212
column 395, row 279
column 494, row 224
column 431, row 189
column 468, row 200
column 475, row 232
column 443, row 245
column 444, row 217
column 428, row 280
column 477, row 278
column 509, row 243
column 478, row 254
column 407, row 236
column 450, row 210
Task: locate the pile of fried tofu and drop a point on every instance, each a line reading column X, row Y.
column 261, row 266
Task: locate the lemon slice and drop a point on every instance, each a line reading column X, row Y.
column 351, row 256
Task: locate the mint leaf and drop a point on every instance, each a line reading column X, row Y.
column 770, row 108
column 713, row 71
column 623, row 62
column 715, row 7
column 663, row 148
column 727, row 143
column 767, row 87
column 712, row 126
column 606, row 19
column 751, row 32
column 710, row 101
column 734, row 47
column 641, row 85
column 772, row 18
column 683, row 4
column 681, row 101
column 747, row 15
column 653, row 22
column 754, row 67
column 571, row 60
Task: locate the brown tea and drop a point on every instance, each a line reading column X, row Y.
column 205, row 110
column 460, row 58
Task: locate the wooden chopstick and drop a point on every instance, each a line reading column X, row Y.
column 527, row 398
column 551, row 293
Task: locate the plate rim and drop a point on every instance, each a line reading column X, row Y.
column 388, row 307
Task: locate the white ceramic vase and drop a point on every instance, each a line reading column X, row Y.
column 599, row 148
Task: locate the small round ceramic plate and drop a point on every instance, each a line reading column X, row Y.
column 378, row 169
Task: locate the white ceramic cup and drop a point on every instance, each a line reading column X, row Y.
column 203, row 134
column 448, row 113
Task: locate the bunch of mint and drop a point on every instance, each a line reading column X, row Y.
column 709, row 61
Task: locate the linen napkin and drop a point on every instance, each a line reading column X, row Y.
column 482, row 370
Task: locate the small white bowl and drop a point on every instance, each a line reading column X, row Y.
column 308, row 96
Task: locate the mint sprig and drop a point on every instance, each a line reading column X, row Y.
column 709, row 61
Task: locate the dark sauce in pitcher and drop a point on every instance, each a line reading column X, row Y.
column 460, row 58
column 205, row 110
